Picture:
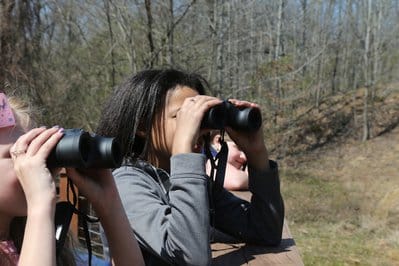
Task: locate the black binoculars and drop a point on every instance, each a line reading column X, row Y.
column 80, row 149
column 227, row 114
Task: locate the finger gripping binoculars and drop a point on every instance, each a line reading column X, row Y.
column 80, row 149
column 227, row 114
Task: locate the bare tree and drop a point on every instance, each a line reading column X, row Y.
column 366, row 121
column 170, row 35
column 111, row 39
column 152, row 57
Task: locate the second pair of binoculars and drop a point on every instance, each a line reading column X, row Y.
column 81, row 149
column 227, row 114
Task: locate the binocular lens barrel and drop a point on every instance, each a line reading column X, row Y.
column 248, row 119
column 215, row 117
column 106, row 153
column 227, row 114
column 79, row 149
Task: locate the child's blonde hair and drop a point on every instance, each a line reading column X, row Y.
column 25, row 115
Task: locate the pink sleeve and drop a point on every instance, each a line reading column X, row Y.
column 6, row 115
column 8, row 248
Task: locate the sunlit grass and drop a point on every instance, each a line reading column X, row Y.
column 337, row 244
column 342, row 216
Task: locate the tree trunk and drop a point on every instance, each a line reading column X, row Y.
column 276, row 55
column 335, row 78
column 376, row 58
column 304, row 30
column 170, row 34
column 278, row 29
column 111, row 41
column 366, row 121
column 213, row 27
column 152, row 55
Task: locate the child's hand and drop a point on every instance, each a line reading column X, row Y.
column 251, row 143
column 188, row 123
column 29, row 154
column 97, row 185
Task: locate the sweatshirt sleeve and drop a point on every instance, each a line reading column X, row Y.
column 178, row 230
column 259, row 221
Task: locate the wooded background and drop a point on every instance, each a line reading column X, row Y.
column 318, row 68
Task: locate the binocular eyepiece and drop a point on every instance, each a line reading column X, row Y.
column 227, row 114
column 80, row 149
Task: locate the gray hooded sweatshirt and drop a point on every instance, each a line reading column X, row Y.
column 171, row 217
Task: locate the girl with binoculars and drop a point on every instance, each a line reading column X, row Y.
column 28, row 196
column 157, row 115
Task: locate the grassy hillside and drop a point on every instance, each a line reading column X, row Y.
column 342, row 201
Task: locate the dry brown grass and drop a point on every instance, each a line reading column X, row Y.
column 343, row 202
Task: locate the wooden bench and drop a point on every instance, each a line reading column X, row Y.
column 244, row 254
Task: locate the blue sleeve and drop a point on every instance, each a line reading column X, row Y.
column 82, row 259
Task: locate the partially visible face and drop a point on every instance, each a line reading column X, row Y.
column 236, row 157
column 163, row 132
column 12, row 197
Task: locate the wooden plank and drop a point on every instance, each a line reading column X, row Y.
column 244, row 254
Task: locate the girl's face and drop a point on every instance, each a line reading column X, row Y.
column 163, row 132
column 12, row 197
column 236, row 157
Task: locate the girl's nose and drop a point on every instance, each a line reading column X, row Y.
column 243, row 157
